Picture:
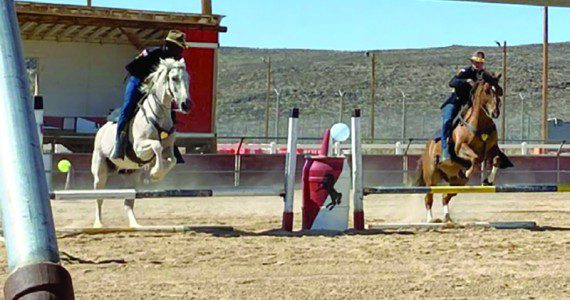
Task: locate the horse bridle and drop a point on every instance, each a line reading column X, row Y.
column 162, row 106
column 464, row 122
column 489, row 114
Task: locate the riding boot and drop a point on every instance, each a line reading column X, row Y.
column 119, row 149
column 178, row 155
column 445, row 155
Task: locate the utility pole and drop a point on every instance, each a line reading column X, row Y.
column 267, row 95
column 277, row 113
column 522, row 115
column 372, row 92
column 504, row 110
column 545, row 79
column 341, row 105
column 207, row 7
column 403, row 115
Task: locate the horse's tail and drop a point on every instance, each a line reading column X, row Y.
column 505, row 161
column 420, row 174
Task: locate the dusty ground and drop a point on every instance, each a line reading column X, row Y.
column 257, row 262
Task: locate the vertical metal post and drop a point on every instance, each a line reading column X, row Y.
column 277, row 113
column 290, row 168
column 267, row 96
column 237, row 163
column 207, row 7
column 39, row 117
column 423, row 124
column 544, row 123
column 341, row 105
column 403, row 115
column 503, row 121
column 31, row 245
column 357, row 195
column 372, row 97
column 558, row 161
column 522, row 116
column 89, row 3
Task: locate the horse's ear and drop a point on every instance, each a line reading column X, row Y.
column 499, row 76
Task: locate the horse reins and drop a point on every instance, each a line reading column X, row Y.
column 154, row 116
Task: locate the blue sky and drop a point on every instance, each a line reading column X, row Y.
column 367, row 24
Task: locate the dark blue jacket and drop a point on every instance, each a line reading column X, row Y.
column 146, row 62
column 462, row 89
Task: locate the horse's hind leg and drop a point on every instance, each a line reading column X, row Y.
column 130, row 203
column 99, row 170
column 446, row 198
column 429, row 204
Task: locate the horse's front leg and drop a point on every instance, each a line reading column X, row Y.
column 169, row 159
column 154, row 146
column 472, row 157
column 491, row 179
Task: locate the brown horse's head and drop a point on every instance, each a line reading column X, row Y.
column 487, row 94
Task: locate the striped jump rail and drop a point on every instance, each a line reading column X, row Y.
column 466, row 189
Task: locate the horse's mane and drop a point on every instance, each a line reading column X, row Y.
column 159, row 73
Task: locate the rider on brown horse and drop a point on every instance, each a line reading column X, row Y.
column 462, row 84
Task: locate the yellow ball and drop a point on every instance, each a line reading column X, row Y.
column 64, row 165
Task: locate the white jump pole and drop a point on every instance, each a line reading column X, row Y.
column 357, row 192
column 290, row 167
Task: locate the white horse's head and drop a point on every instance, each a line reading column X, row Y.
column 170, row 83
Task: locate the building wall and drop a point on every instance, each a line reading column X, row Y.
column 80, row 79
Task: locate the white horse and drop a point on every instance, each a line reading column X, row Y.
column 151, row 133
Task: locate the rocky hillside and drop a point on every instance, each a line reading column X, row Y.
column 311, row 80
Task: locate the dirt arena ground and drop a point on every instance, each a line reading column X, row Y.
column 257, row 261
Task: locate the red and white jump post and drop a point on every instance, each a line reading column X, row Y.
column 357, row 188
column 290, row 168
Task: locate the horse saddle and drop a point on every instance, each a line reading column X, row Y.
column 438, row 134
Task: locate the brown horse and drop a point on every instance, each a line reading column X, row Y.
column 474, row 141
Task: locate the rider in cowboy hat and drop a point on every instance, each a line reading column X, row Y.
column 139, row 69
column 462, row 84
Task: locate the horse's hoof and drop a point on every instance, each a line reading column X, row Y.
column 435, row 221
column 97, row 225
column 448, row 219
column 135, row 225
column 487, row 183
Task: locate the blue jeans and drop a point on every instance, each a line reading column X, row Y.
column 448, row 113
column 132, row 96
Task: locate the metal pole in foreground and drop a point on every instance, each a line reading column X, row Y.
column 290, row 168
column 31, row 245
column 357, row 194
